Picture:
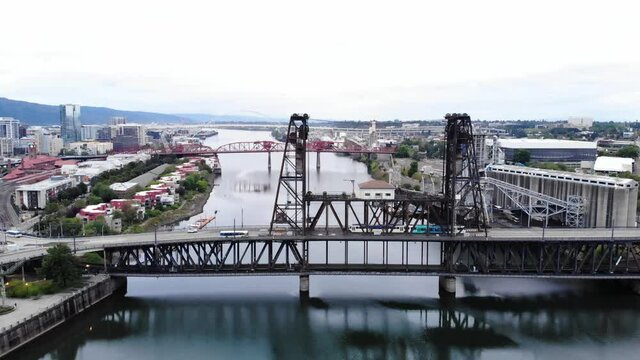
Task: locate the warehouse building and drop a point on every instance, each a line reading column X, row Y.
column 607, row 200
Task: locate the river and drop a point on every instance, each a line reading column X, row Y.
column 346, row 317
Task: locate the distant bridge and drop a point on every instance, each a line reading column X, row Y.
column 246, row 147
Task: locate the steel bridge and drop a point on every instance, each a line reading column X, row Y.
column 600, row 258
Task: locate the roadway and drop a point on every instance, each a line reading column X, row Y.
column 32, row 247
column 8, row 216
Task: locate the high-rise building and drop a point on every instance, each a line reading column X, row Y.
column 70, row 123
column 136, row 130
column 6, row 147
column 54, row 145
column 117, row 120
column 104, row 134
column 125, row 143
column 94, row 132
column 9, row 128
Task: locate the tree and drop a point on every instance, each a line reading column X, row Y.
column 413, row 168
column 94, row 199
column 519, row 133
column 522, row 156
column 129, row 214
column 404, row 151
column 71, row 226
column 60, row 266
column 630, row 151
column 104, row 191
column 202, row 185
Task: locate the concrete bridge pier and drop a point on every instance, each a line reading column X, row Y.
column 318, row 160
column 269, row 160
column 304, row 286
column 447, row 287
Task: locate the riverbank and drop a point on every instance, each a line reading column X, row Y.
column 34, row 317
column 188, row 209
column 376, row 168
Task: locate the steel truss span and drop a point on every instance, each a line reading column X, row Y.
column 389, row 255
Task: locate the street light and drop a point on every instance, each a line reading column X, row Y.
column 353, row 186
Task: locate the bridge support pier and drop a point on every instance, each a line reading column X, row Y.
column 304, row 286
column 269, row 160
column 447, row 286
column 318, row 160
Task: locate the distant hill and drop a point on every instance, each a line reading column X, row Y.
column 39, row 114
column 207, row 118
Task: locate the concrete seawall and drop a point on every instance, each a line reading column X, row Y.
column 17, row 335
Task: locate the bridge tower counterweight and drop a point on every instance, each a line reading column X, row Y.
column 288, row 208
column 463, row 196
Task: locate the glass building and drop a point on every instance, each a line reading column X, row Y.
column 71, row 130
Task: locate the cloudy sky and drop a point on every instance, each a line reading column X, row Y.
column 331, row 59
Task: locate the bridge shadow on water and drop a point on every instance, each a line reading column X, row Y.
column 289, row 328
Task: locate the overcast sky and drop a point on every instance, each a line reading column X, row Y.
column 332, row 59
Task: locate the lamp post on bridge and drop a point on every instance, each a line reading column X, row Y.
column 353, row 186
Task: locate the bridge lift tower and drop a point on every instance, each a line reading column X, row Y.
column 289, row 206
column 462, row 192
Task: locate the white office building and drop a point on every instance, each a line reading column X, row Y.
column 9, row 128
column 37, row 195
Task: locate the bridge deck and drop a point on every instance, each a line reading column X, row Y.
column 391, row 255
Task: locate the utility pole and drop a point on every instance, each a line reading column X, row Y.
column 3, row 290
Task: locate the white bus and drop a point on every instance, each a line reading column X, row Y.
column 14, row 233
column 377, row 229
column 232, row 233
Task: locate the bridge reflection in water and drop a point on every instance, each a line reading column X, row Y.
column 251, row 187
column 284, row 328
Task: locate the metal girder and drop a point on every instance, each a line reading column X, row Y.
column 251, row 147
column 537, row 205
column 390, row 216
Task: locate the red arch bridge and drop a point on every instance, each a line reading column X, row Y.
column 318, row 146
column 246, row 147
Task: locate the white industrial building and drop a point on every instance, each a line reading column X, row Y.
column 610, row 164
column 376, row 190
column 607, row 200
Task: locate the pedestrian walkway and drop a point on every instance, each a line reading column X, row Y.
column 29, row 307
